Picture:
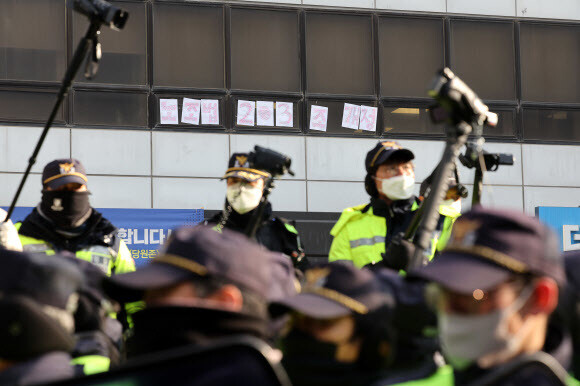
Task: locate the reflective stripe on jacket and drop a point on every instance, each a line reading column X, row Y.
column 360, row 236
column 92, row 364
column 106, row 258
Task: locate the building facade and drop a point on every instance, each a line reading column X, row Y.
column 521, row 56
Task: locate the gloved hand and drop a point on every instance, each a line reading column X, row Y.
column 8, row 234
column 399, row 253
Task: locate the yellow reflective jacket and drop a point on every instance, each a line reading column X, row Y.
column 359, row 235
column 108, row 258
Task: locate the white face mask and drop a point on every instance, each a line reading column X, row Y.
column 453, row 204
column 484, row 339
column 243, row 197
column 398, row 188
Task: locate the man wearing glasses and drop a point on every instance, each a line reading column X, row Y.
column 363, row 232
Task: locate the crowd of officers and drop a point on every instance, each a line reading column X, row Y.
column 498, row 304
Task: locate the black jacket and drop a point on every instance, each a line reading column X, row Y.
column 273, row 232
column 162, row 328
column 97, row 230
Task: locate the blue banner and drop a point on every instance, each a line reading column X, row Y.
column 143, row 230
column 565, row 222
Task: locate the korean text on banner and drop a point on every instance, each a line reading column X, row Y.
column 143, row 230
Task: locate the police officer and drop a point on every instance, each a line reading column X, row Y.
column 245, row 185
column 64, row 221
column 496, row 284
column 363, row 232
column 350, row 327
column 203, row 286
column 38, row 297
column 340, row 328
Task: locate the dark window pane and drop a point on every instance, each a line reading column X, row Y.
column 335, row 112
column 550, row 57
column 265, row 50
column 482, row 54
column 188, row 46
column 284, row 114
column 416, row 120
column 32, row 40
column 505, row 125
column 411, row 50
column 552, row 125
column 409, row 120
column 110, row 108
column 28, row 106
column 339, row 54
column 124, row 52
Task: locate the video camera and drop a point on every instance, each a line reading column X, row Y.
column 457, row 102
column 277, row 164
column 491, row 160
column 102, row 11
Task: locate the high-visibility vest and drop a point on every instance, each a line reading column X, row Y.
column 110, row 260
column 360, row 236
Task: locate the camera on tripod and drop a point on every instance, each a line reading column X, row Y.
column 457, row 102
column 102, row 11
column 277, row 164
column 491, row 160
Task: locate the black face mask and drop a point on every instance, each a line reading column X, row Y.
column 310, row 362
column 66, row 209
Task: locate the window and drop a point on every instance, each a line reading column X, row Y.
column 339, row 54
column 409, row 120
column 548, row 124
column 410, row 52
column 29, row 105
column 265, row 50
column 188, row 46
column 32, row 40
column 110, row 108
column 482, row 55
column 550, row 59
column 124, row 52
